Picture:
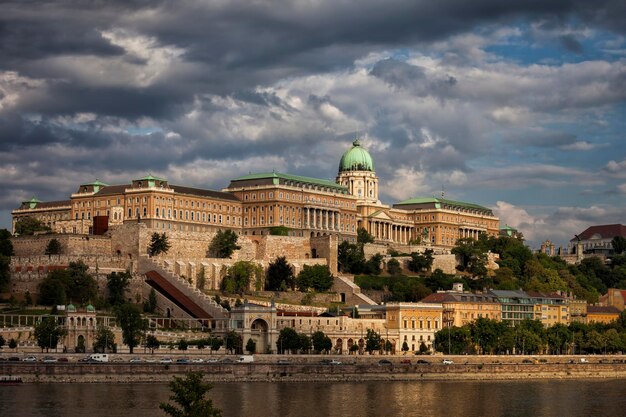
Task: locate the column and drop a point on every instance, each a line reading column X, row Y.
column 314, row 218
column 308, row 218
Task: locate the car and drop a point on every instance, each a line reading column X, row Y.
column 384, row 362
column 584, row 360
column 529, row 361
column 212, row 360
column 29, row 359
column 447, row 362
column 166, row 360
column 86, row 359
column 182, row 360
column 325, row 361
column 542, row 360
column 197, row 360
column 151, row 360
column 228, row 360
column 335, row 362
column 406, row 361
column 135, row 360
column 422, row 362
column 283, row 362
column 63, row 359
column 118, row 359
column 49, row 359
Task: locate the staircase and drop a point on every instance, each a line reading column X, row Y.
column 193, row 301
column 345, row 284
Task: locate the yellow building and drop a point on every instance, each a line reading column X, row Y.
column 461, row 308
column 254, row 204
column 414, row 323
column 602, row 314
column 578, row 311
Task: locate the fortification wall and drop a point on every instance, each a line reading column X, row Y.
column 70, row 244
column 326, row 247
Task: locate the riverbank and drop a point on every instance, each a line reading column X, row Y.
column 253, row 372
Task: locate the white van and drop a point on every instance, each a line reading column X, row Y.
column 246, row 359
column 99, row 357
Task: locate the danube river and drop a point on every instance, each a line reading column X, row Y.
column 429, row 398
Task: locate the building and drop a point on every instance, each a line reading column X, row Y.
column 602, row 314
column 578, row 311
column 615, row 298
column 414, row 323
column 257, row 204
column 596, row 239
column 516, row 306
column 463, row 307
column 550, row 309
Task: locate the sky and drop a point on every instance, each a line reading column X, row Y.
column 517, row 105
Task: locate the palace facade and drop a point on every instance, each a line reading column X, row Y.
column 255, row 204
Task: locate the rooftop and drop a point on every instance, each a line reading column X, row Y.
column 606, row 231
column 439, row 202
column 289, row 177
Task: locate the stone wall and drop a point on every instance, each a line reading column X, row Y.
column 326, row 247
column 70, row 244
column 371, row 249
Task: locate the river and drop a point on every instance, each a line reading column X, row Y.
column 424, row 398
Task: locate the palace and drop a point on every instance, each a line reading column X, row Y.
column 255, row 204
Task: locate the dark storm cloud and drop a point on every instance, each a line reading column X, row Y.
column 570, row 43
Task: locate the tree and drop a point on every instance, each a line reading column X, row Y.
column 52, row 291
column 559, row 338
column 53, row 248
column 189, row 394
column 372, row 341
column 12, row 344
column 28, row 299
column 6, row 247
column 105, row 339
column 317, row 277
column 152, row 343
column 5, row 272
column 619, row 244
column 363, row 236
column 182, row 345
column 405, row 346
column 372, row 266
column 2, row 341
column 279, row 275
column 473, row 256
column 453, row 340
column 117, row 286
column 393, row 267
column 279, row 231
column 288, row 340
column 354, row 348
column 224, row 243
column 48, row 333
column 216, row 344
column 201, row 278
column 389, row 346
column 130, row 321
column 321, row 342
column 150, row 305
column 234, row 342
column 29, row 226
column 304, row 343
column 350, row 257
column 159, row 243
column 423, row 348
column 239, row 277
column 251, row 346
column 73, row 283
column 421, row 262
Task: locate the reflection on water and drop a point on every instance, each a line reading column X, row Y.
column 450, row 398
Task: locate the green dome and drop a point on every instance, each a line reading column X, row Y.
column 90, row 309
column 356, row 159
column 71, row 308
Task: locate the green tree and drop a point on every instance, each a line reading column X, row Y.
column 619, row 244
column 251, row 346
column 151, row 304
column 28, row 299
column 105, row 339
column 423, row 348
column 234, row 342
column 5, row 272
column 372, row 266
column 372, row 341
column 152, row 343
column 279, row 231
column 201, row 278
column 389, row 346
column 279, row 275
column 29, row 226
column 48, row 333
column 132, row 324
column 421, row 262
column 559, row 338
column 216, row 344
column 393, row 267
column 53, row 248
column 288, row 340
column 405, row 346
column 363, row 236
column 12, row 344
column 304, row 343
column 117, row 286
column 453, row 340
column 321, row 342
column 159, row 243
column 182, row 345
column 473, row 256
column 6, row 247
column 224, row 243
column 2, row 341
column 350, row 258
column 52, row 290
column 189, row 398
column 317, row 277
column 240, row 276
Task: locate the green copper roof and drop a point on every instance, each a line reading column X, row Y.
column 150, row 177
column 97, row 182
column 90, row 308
column 507, row 227
column 32, row 203
column 439, row 201
column 276, row 176
column 71, row 308
column 356, row 159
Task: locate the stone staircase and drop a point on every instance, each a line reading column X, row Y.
column 353, row 295
column 206, row 303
